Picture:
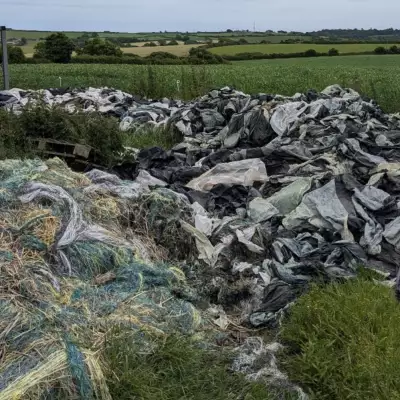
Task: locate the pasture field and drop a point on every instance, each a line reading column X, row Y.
column 375, row 76
column 296, row 48
column 180, row 50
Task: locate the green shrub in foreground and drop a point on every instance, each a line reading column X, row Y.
column 343, row 342
column 172, row 368
column 39, row 121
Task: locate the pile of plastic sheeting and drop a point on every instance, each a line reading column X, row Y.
column 265, row 195
column 285, row 191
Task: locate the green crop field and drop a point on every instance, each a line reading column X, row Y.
column 375, row 76
column 295, row 48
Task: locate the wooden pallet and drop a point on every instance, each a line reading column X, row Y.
column 70, row 152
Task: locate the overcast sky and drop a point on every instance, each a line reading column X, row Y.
column 197, row 15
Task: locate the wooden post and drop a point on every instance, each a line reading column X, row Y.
column 6, row 77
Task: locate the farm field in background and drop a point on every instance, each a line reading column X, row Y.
column 375, row 76
column 179, row 50
column 296, row 48
column 359, row 61
column 250, row 37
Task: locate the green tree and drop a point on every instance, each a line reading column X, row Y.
column 311, row 53
column 333, row 52
column 58, row 48
column 100, row 47
column 380, row 50
column 40, row 50
column 23, row 41
column 15, row 54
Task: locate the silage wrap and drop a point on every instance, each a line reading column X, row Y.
column 69, row 272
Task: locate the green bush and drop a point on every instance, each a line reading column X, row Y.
column 310, row 53
column 40, row 51
column 380, row 50
column 191, row 41
column 343, row 342
column 15, row 55
column 39, row 121
column 162, row 55
column 100, row 47
column 333, row 52
column 172, row 368
column 13, row 141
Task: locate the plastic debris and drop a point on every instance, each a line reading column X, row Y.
column 264, row 195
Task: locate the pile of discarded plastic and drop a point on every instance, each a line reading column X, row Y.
column 264, row 195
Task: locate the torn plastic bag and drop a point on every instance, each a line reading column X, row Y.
column 277, row 295
column 372, row 230
column 392, row 233
column 202, row 221
column 322, row 209
column 146, row 180
column 261, row 210
column 244, row 236
column 285, row 115
column 288, row 198
column 244, row 172
column 371, row 197
column 351, row 148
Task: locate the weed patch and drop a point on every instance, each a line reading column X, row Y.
column 172, row 368
column 342, row 342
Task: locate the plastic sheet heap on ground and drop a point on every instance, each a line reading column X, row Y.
column 264, row 195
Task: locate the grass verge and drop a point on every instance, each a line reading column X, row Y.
column 172, row 368
column 342, row 342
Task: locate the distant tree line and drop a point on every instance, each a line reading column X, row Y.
column 308, row 53
column 354, row 33
column 58, row 48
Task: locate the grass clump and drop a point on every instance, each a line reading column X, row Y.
column 147, row 136
column 172, row 368
column 342, row 342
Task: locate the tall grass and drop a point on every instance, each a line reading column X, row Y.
column 342, row 342
column 172, row 368
column 275, row 76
